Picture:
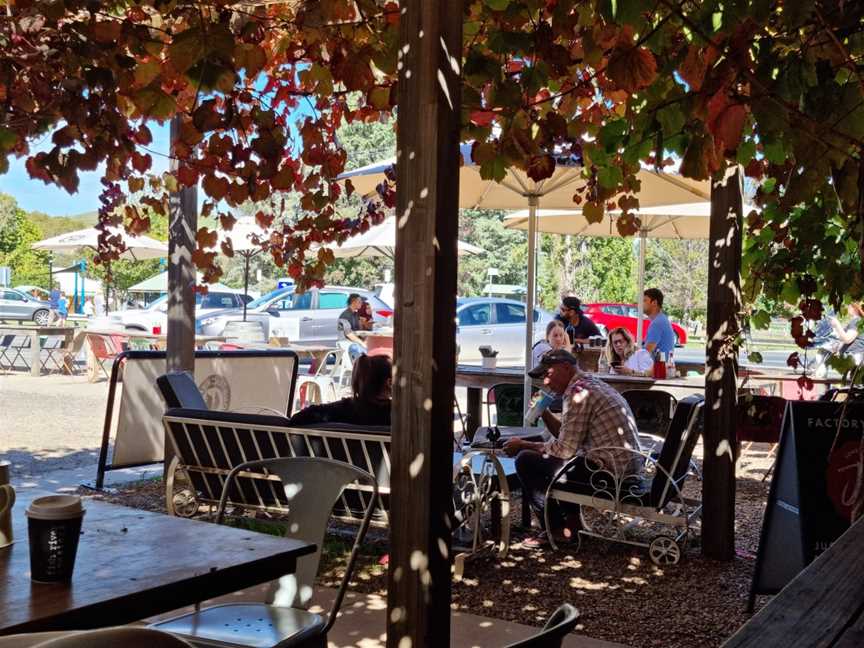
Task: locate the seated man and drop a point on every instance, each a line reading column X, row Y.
column 594, row 416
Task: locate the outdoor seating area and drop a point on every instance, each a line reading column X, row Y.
column 415, row 324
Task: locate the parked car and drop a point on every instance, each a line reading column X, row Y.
column 305, row 317
column 155, row 315
column 19, row 306
column 611, row 315
column 495, row 322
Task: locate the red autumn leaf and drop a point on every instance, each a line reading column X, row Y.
column 215, row 187
column 700, row 159
column 793, row 360
column 726, row 120
column 140, row 162
column 755, row 169
column 226, row 221
column 206, row 238
column 696, row 65
column 187, row 175
column 482, row 117
column 541, row 167
column 106, row 31
column 796, row 326
column 264, row 221
column 202, row 259
column 593, row 212
column 284, row 179
column 805, row 383
column 631, row 68
column 227, row 248
column 811, row 309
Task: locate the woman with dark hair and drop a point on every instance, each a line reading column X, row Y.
column 371, row 385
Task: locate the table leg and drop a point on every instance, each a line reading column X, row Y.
column 474, row 413
column 35, row 354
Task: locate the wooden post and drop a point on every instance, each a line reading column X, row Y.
column 721, row 384
column 425, row 337
column 182, row 226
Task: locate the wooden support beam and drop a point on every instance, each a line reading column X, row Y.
column 182, row 226
column 721, row 371
column 425, row 337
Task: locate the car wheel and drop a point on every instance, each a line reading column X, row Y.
column 41, row 317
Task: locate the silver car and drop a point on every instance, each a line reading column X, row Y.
column 304, row 317
column 499, row 323
column 15, row 305
column 156, row 314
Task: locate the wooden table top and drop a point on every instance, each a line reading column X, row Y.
column 39, row 330
column 820, row 608
column 133, row 564
column 477, row 376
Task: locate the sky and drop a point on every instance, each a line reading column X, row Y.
column 35, row 195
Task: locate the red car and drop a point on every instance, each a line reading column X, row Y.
column 610, row 316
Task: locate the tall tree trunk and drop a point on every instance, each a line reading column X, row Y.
column 421, row 503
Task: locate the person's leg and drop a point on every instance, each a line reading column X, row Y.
column 536, row 471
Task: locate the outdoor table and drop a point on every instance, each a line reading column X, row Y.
column 315, row 352
column 476, row 379
column 820, row 608
column 34, row 332
column 134, row 564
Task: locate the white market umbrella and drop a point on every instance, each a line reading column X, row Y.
column 243, row 236
column 136, row 248
column 517, row 191
column 681, row 221
column 380, row 241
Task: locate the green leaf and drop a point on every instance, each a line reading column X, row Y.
column 671, row 119
column 755, row 357
column 790, row 292
column 495, row 169
column 746, row 151
column 609, row 177
column 774, row 152
column 186, row 49
column 8, row 139
column 497, row 5
column 152, row 102
column 761, row 319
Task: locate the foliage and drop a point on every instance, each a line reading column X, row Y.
column 17, row 234
column 773, row 85
column 680, row 270
column 504, row 250
column 55, row 225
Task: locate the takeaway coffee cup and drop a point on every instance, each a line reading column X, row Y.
column 54, row 526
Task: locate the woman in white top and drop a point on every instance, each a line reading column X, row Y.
column 556, row 338
column 624, row 357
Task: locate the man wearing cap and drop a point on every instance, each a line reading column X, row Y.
column 579, row 326
column 594, row 416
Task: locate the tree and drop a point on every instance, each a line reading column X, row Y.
column 680, row 269
column 503, row 250
column 17, row 235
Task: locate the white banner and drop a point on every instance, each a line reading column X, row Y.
column 229, row 381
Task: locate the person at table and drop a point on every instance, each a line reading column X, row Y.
column 624, row 357
column 349, row 321
column 660, row 336
column 594, row 416
column 851, row 340
column 371, row 384
column 54, row 304
column 556, row 338
column 365, row 315
column 579, row 326
column 89, row 307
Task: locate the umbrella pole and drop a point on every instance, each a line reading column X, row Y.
column 643, row 241
column 533, row 202
column 245, row 285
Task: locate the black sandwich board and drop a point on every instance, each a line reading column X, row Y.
column 811, row 497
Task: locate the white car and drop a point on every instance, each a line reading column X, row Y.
column 155, row 315
column 305, row 317
column 498, row 323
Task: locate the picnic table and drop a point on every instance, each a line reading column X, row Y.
column 134, row 564
column 821, row 608
column 35, row 333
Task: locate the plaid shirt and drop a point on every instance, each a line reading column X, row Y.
column 594, row 416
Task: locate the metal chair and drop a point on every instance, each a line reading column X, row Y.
column 12, row 348
column 311, row 488
column 652, row 410
column 559, row 625
column 509, row 402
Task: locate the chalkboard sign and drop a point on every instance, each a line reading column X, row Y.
column 811, row 496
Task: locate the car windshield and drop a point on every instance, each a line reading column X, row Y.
column 263, row 299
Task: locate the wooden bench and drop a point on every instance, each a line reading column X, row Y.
column 822, row 607
column 208, row 444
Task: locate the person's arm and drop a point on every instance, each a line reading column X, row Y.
column 652, row 338
column 847, row 335
column 344, row 325
column 552, row 422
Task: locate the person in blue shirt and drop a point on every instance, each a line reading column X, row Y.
column 62, row 309
column 660, row 336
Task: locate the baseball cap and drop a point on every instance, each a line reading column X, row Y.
column 572, row 302
column 551, row 358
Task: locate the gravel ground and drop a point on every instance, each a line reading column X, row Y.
column 622, row 596
column 50, row 423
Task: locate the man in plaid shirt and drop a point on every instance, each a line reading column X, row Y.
column 594, row 416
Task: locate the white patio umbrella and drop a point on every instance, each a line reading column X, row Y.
column 682, row 221
column 137, row 248
column 380, row 241
column 243, row 236
column 517, row 190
